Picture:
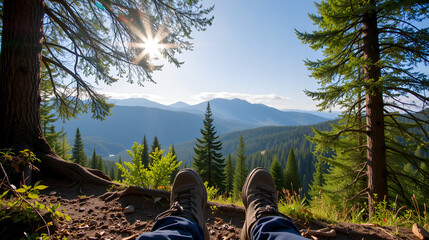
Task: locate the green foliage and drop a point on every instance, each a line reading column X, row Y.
column 16, row 163
column 145, row 153
column 292, row 178
column 277, row 173
column 64, row 148
column 79, row 42
column 156, row 175
column 240, row 168
column 211, row 191
column 176, row 170
column 229, row 175
column 372, row 54
column 208, row 161
column 78, row 152
column 18, row 208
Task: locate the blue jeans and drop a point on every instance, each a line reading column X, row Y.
column 272, row 227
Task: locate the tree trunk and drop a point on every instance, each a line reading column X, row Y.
column 377, row 174
column 20, row 62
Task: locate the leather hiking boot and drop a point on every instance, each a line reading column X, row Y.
column 259, row 198
column 188, row 198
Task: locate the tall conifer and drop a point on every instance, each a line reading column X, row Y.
column 145, row 153
column 229, row 174
column 78, row 152
column 292, row 178
column 240, row 167
column 372, row 51
column 208, row 161
column 277, row 173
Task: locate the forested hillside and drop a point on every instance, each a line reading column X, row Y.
column 262, row 144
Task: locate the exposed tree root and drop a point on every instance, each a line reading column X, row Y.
column 52, row 165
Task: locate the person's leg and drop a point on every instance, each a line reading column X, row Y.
column 184, row 219
column 275, row 227
column 174, row 228
column 263, row 219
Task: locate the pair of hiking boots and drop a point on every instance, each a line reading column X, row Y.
column 189, row 197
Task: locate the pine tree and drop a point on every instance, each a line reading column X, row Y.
column 100, row 163
column 176, row 161
column 208, row 161
column 78, row 152
column 240, row 168
column 81, row 40
column 64, row 148
column 277, row 173
column 155, row 144
column 93, row 160
column 118, row 171
column 145, row 154
column 48, row 117
column 374, row 46
column 292, row 178
column 229, row 175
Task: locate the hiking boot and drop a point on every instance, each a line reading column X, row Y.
column 188, row 198
column 259, row 198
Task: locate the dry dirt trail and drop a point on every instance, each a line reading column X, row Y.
column 99, row 214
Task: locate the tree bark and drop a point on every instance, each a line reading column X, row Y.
column 20, row 75
column 377, row 174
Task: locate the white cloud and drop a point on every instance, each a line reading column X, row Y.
column 268, row 99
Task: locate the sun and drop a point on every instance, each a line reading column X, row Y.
column 152, row 48
column 151, row 44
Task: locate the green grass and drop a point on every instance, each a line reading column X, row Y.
column 297, row 206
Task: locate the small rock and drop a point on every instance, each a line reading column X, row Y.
column 81, row 209
column 129, row 209
column 92, row 222
column 90, row 210
column 99, row 234
column 212, row 232
column 79, row 234
column 93, row 238
column 52, row 193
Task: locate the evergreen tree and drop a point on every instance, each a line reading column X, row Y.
column 48, row 117
column 277, row 173
column 176, row 161
column 208, row 161
column 292, row 178
column 100, row 163
column 240, row 168
column 112, row 173
column 145, row 153
column 64, row 148
column 374, row 46
column 155, row 144
column 93, row 160
column 229, row 175
column 118, row 171
column 78, row 152
column 81, row 40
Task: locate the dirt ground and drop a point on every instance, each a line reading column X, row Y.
column 99, row 214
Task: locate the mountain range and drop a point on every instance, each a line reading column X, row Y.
column 131, row 119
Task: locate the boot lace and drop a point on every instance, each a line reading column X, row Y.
column 266, row 205
column 183, row 206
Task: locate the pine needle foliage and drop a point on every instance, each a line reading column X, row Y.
column 241, row 170
column 277, row 173
column 208, row 160
column 78, row 151
column 373, row 52
column 292, row 178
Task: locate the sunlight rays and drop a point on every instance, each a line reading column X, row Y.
column 151, row 46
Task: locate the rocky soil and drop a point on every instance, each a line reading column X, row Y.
column 100, row 214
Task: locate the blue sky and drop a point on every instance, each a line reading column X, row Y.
column 250, row 52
